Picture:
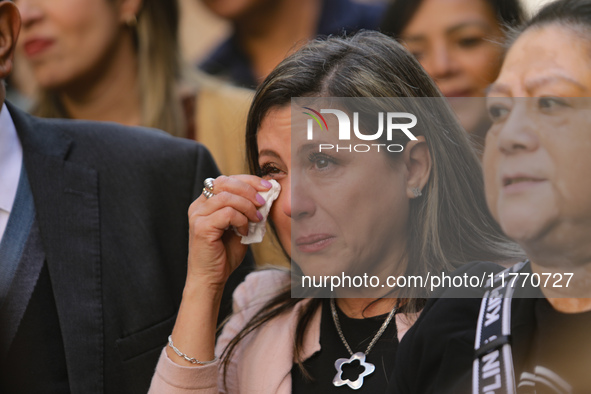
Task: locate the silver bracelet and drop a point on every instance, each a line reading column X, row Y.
column 189, row 359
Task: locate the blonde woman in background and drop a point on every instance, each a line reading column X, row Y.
column 118, row 60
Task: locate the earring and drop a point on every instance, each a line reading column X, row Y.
column 417, row 192
column 131, row 21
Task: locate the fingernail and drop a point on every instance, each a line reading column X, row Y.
column 259, row 215
column 266, row 183
column 260, row 199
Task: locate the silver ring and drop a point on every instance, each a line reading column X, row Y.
column 207, row 193
column 208, row 183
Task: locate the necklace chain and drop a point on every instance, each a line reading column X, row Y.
column 335, row 318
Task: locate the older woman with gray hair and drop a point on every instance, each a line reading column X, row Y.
column 529, row 333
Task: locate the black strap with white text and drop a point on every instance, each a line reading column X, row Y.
column 492, row 372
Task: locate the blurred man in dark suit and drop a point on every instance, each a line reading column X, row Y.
column 93, row 246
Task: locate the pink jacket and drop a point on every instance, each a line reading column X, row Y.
column 263, row 360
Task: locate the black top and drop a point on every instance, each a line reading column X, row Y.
column 358, row 333
column 551, row 350
column 559, row 360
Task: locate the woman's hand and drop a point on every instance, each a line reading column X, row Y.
column 214, row 252
column 214, row 249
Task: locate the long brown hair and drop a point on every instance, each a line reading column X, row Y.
column 450, row 225
column 159, row 70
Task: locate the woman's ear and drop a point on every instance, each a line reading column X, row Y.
column 417, row 159
column 10, row 25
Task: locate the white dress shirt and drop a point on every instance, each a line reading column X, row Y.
column 11, row 160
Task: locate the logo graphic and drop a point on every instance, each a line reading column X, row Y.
column 345, row 124
column 316, row 119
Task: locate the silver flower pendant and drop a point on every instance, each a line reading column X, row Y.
column 368, row 369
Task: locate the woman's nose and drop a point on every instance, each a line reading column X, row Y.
column 286, row 199
column 518, row 134
column 441, row 63
column 299, row 203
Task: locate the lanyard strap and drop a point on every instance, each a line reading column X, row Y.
column 492, row 371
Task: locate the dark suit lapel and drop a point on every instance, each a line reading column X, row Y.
column 67, row 206
column 20, row 291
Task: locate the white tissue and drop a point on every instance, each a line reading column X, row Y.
column 256, row 231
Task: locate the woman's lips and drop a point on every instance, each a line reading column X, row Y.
column 314, row 243
column 519, row 183
column 36, row 46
